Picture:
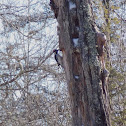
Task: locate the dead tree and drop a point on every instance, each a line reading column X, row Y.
column 83, row 61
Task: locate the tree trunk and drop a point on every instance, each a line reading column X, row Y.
column 107, row 18
column 82, row 64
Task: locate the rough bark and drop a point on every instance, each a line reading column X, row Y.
column 107, row 27
column 82, row 64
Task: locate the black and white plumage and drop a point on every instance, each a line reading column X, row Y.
column 58, row 58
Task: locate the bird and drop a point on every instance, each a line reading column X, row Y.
column 58, row 58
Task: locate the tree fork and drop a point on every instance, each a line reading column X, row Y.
column 78, row 42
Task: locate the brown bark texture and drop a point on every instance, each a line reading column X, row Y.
column 83, row 62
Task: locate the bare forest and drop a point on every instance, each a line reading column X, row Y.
column 62, row 63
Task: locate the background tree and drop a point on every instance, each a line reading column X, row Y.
column 28, row 73
column 116, row 59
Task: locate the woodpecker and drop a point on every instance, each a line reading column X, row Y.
column 58, row 58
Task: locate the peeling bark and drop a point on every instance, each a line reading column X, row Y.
column 82, row 65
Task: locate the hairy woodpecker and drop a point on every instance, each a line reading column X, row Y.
column 58, row 58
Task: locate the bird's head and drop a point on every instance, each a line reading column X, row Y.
column 55, row 51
